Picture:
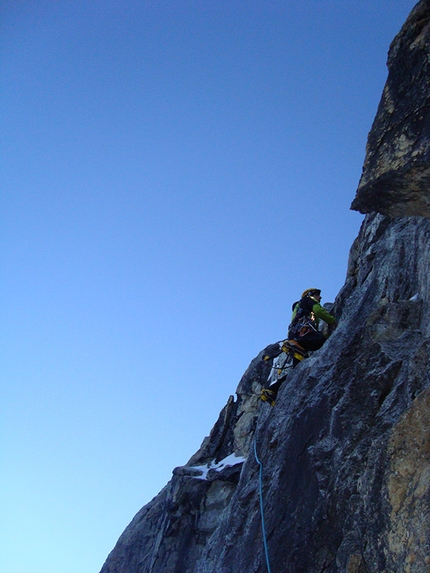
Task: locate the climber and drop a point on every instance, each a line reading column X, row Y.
column 303, row 336
column 307, row 312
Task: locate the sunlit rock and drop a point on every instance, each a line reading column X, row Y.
column 396, row 172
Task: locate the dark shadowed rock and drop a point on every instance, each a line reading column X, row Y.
column 345, row 452
column 396, row 172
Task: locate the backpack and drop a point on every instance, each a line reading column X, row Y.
column 303, row 322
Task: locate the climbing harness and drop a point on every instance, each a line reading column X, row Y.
column 263, row 524
column 291, row 351
column 302, row 326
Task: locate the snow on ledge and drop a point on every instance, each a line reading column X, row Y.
column 231, row 460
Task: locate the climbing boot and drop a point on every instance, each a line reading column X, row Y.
column 268, row 396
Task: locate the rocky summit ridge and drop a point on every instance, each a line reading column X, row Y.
column 342, row 462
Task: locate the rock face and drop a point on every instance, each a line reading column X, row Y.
column 396, row 172
column 342, row 462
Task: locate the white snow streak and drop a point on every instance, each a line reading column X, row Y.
column 229, row 461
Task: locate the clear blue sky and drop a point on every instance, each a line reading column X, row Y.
column 174, row 174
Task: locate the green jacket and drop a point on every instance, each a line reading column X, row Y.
column 315, row 310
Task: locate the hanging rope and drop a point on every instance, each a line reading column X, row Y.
column 263, row 524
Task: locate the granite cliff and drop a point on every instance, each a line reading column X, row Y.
column 345, row 453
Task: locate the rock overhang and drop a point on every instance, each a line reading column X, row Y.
column 396, row 174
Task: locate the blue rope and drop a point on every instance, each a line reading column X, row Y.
column 263, row 525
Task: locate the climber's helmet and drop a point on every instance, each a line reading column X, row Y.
column 315, row 292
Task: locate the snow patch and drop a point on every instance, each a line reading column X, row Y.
column 231, row 460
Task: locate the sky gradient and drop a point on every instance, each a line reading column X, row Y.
column 174, row 175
